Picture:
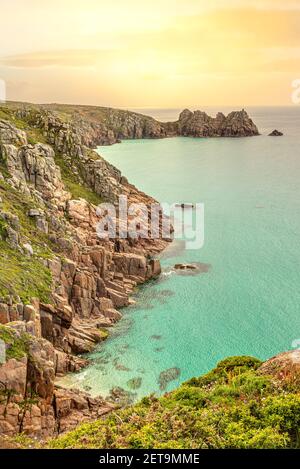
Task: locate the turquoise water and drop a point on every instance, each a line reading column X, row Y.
column 249, row 300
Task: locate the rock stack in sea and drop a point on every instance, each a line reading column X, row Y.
column 199, row 124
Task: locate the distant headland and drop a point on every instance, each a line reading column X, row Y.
column 106, row 126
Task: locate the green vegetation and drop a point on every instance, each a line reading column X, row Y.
column 74, row 186
column 18, row 204
column 3, row 229
column 233, row 406
column 103, row 334
column 34, row 134
column 16, row 347
column 24, row 276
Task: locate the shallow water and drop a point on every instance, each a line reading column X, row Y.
column 249, row 300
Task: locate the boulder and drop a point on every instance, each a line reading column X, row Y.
column 284, row 367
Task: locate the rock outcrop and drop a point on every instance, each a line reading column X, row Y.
column 275, row 133
column 199, row 124
column 30, row 401
column 285, row 367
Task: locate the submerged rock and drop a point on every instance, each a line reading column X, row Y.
column 156, row 337
column 121, row 397
column 194, row 268
column 166, row 376
column 134, row 383
column 121, row 367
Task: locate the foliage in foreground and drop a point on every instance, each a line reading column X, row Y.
column 233, row 406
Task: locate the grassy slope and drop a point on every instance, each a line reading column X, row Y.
column 233, row 406
column 20, row 275
column 16, row 346
column 72, row 184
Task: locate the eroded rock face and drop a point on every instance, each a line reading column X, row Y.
column 90, row 283
column 9, row 135
column 73, row 407
column 30, row 402
column 33, row 166
column 199, row 124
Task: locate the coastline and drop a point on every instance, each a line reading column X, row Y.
column 91, row 279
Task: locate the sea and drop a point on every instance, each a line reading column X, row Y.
column 247, row 300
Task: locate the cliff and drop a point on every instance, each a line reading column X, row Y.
column 95, row 125
column 61, row 286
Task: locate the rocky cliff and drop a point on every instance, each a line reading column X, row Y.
column 96, row 125
column 199, row 124
column 61, row 286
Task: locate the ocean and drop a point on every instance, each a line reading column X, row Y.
column 248, row 302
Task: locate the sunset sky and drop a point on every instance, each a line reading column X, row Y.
column 158, row 53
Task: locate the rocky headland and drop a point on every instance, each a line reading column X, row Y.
column 95, row 125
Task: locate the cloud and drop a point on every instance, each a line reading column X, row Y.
column 60, row 58
column 177, row 58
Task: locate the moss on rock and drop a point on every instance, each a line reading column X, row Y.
column 16, row 344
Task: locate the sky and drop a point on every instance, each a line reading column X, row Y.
column 155, row 54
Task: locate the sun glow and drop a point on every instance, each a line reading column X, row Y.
column 140, row 54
